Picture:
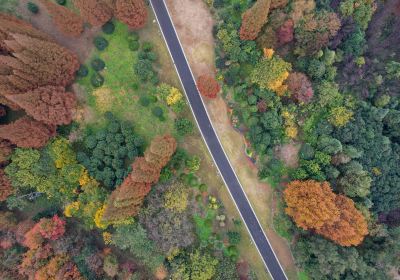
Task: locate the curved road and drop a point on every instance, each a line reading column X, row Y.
column 213, row 144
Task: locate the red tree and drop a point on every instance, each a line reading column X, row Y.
column 131, row 12
column 35, row 63
column 95, row 12
column 33, row 238
column 160, row 150
column 285, row 32
column 144, row 172
column 50, row 105
column 208, row 86
column 52, row 228
column 5, row 151
column 5, row 186
column 27, row 133
column 300, row 87
column 66, row 21
column 254, row 19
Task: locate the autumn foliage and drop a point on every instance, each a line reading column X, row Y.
column 27, row 133
column 254, row 19
column 95, row 12
column 67, row 22
column 208, row 86
column 50, row 104
column 131, row 12
column 313, row 206
column 127, row 199
column 5, row 186
column 284, row 33
column 300, row 87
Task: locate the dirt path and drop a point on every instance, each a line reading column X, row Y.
column 194, row 23
column 81, row 46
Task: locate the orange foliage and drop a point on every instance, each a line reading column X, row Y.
column 160, row 150
column 95, row 12
column 67, row 22
column 33, row 238
column 313, row 206
column 131, row 12
column 27, row 133
column 5, row 186
column 208, row 86
column 52, row 228
column 254, row 19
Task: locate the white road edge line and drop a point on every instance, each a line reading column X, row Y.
column 166, row 7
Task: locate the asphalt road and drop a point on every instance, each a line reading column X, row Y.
column 212, row 141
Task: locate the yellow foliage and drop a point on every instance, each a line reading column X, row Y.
column 174, row 96
column 277, row 85
column 85, row 178
column 340, row 116
column 291, row 131
column 107, row 237
column 98, row 217
column 174, row 252
column 268, row 53
column 376, row 171
column 104, row 99
column 176, row 198
column 71, row 208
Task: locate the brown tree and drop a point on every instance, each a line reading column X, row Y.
column 95, row 12
column 35, row 63
column 10, row 25
column 27, row 133
column 5, row 151
column 208, row 86
column 50, row 104
column 253, row 20
column 131, row 12
column 5, row 186
column 66, row 21
column 311, row 204
column 160, row 150
column 300, row 87
column 350, row 229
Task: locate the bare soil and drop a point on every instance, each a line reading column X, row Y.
column 81, row 46
column 288, row 153
column 194, row 23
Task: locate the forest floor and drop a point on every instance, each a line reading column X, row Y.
column 194, row 24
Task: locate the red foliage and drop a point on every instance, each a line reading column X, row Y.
column 50, row 105
column 160, row 150
column 5, row 151
column 27, row 133
column 5, row 186
column 66, row 21
column 57, row 65
column 208, row 86
column 285, row 32
column 144, row 172
column 131, row 12
column 254, row 19
column 262, row 106
column 33, row 238
column 300, row 87
column 95, row 12
column 52, row 228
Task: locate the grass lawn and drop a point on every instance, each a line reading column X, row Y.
column 122, row 89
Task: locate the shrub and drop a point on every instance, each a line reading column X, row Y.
column 98, row 64
column 158, row 112
column 144, row 101
column 83, row 71
column 147, row 46
column 61, row 2
column 33, row 8
column 97, row 80
column 133, row 45
column 208, row 86
column 133, row 36
column 100, row 43
column 183, row 126
column 108, row 28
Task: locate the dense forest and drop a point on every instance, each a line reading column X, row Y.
column 95, row 180
column 322, row 76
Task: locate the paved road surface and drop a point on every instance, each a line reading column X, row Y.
column 212, row 141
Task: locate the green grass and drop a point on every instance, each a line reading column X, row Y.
column 204, row 230
column 124, row 87
column 302, row 275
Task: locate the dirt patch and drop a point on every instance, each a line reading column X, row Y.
column 288, row 153
column 81, row 46
column 194, row 24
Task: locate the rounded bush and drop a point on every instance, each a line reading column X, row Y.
column 133, row 36
column 147, row 46
column 61, row 2
column 152, row 56
column 135, row 86
column 83, row 71
column 97, row 80
column 33, row 8
column 108, row 28
column 133, row 45
column 98, row 64
column 158, row 112
column 100, row 43
column 144, row 101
